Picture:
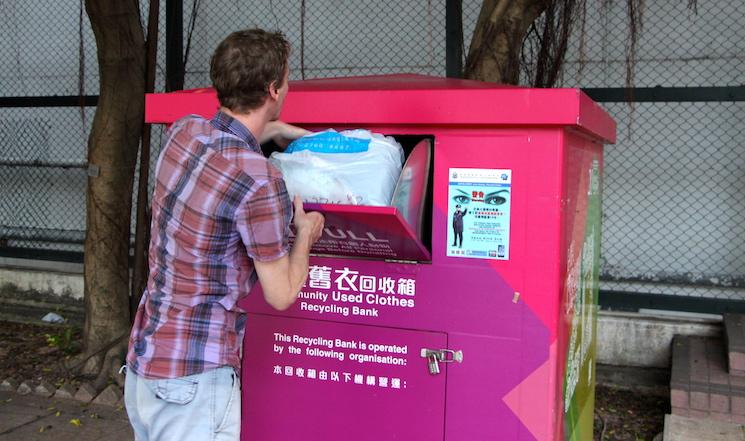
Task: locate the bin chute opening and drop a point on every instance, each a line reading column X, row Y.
column 346, row 167
column 398, row 230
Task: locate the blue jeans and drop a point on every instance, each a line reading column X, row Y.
column 199, row 407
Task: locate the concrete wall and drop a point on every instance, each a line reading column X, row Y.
column 643, row 339
column 53, row 278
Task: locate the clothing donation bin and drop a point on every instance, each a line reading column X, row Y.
column 464, row 311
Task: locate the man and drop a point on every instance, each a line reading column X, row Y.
column 220, row 220
column 458, row 226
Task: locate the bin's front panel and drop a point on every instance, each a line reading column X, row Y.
column 522, row 213
column 315, row 380
column 494, row 393
column 501, row 312
column 472, row 298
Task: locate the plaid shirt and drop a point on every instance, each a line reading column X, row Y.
column 217, row 204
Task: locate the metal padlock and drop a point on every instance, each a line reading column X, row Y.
column 436, row 356
column 434, row 364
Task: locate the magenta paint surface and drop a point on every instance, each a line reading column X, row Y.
column 291, row 396
column 471, row 303
column 508, row 317
column 409, row 100
column 364, row 231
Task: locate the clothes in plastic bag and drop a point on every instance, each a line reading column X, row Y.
column 355, row 167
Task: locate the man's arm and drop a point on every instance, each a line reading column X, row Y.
column 281, row 133
column 281, row 279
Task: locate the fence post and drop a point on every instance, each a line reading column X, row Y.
column 174, row 45
column 454, row 38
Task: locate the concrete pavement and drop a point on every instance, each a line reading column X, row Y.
column 34, row 418
column 679, row 428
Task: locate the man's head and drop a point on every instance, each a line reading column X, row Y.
column 248, row 67
column 457, row 207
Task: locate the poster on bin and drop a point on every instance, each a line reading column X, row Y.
column 479, row 213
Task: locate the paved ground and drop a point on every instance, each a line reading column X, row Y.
column 678, row 428
column 33, row 418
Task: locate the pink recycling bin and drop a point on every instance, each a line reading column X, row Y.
column 466, row 309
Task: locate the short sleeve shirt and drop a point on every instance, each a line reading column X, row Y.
column 218, row 205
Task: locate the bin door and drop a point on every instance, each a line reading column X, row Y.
column 410, row 193
column 367, row 231
column 325, row 381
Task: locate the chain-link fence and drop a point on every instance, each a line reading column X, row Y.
column 330, row 38
column 674, row 190
column 674, row 183
column 42, row 151
column 49, row 68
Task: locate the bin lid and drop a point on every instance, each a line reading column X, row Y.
column 410, row 194
column 408, row 99
column 368, row 232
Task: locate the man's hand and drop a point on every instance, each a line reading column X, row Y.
column 281, row 133
column 308, row 225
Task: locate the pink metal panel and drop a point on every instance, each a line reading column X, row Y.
column 591, row 114
column 534, row 227
column 365, row 231
column 165, row 108
column 303, row 381
column 578, row 260
column 474, row 299
column 503, row 341
column 441, row 107
column 408, row 99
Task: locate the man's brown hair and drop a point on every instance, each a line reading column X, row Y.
column 245, row 64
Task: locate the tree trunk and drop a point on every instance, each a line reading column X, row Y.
column 494, row 54
column 112, row 153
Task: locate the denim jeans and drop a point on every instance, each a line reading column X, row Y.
column 199, row 407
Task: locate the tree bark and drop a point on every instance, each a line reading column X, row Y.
column 112, row 153
column 494, row 54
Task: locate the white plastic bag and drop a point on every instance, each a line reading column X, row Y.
column 359, row 178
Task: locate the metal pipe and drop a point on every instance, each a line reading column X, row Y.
column 76, row 237
column 454, row 38
column 679, row 279
column 174, row 45
column 49, row 101
column 41, row 164
column 142, row 219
